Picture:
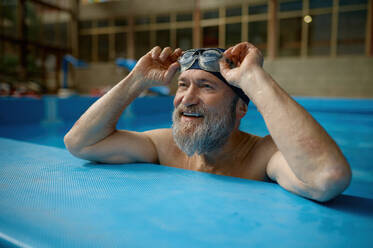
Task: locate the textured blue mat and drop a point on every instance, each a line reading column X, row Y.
column 50, row 199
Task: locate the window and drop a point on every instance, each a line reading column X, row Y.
column 258, row 9
column 120, row 22
column 63, row 36
column 210, row 14
column 103, row 47
column 184, row 38
column 232, row 34
column 258, row 35
column 351, row 32
column 162, row 19
column 350, row 2
column 234, row 11
column 142, row 44
column 290, row 36
column 210, row 36
column 102, row 23
column 163, row 38
column 184, row 17
column 9, row 17
column 314, row 4
column 142, row 20
column 34, row 21
column 319, row 35
column 85, row 24
column 49, row 33
column 120, row 45
column 85, row 47
column 291, row 5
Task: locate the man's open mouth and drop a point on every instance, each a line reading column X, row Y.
column 190, row 114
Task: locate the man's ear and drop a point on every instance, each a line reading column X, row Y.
column 241, row 109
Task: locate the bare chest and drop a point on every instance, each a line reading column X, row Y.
column 234, row 165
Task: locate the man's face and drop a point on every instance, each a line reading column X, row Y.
column 204, row 114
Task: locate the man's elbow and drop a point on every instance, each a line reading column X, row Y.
column 333, row 183
column 72, row 145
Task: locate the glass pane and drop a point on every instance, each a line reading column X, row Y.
column 163, row 19
column 183, row 17
column 234, row 11
column 9, row 17
column 102, row 23
column 210, row 36
column 290, row 36
column 120, row 22
column 258, row 9
column 232, row 34
column 142, row 20
column 163, row 38
column 33, row 21
column 63, row 36
column 258, row 35
column 49, row 33
column 85, row 24
column 350, row 2
column 210, row 14
column 184, row 38
column 351, row 32
column 85, row 47
column 142, row 43
column 8, row 59
column 291, row 5
column 103, row 47
column 314, row 4
column 319, row 35
column 120, row 45
column 34, row 70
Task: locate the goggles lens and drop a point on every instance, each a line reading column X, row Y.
column 208, row 59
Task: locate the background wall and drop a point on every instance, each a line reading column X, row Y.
column 334, row 77
column 311, row 47
column 328, row 55
column 331, row 77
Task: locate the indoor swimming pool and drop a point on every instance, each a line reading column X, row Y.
column 49, row 197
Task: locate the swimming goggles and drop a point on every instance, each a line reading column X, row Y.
column 208, row 59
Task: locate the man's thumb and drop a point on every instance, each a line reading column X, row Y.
column 224, row 66
column 171, row 71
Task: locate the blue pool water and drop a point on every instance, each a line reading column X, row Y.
column 45, row 122
column 48, row 198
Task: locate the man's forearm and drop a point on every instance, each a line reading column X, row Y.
column 100, row 119
column 308, row 149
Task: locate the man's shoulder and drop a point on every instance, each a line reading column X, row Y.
column 260, row 147
column 161, row 133
column 160, row 137
column 168, row 152
column 258, row 140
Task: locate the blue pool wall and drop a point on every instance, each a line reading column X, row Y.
column 22, row 111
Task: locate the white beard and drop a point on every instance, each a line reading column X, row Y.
column 205, row 137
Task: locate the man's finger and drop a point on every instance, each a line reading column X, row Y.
column 165, row 53
column 171, row 71
column 155, row 52
column 228, row 52
column 176, row 54
column 237, row 49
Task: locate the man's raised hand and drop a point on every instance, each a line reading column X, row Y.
column 158, row 66
column 245, row 57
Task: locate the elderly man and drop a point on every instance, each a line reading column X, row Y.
column 214, row 88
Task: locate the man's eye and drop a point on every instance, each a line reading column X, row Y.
column 182, row 85
column 206, row 86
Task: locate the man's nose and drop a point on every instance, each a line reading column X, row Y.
column 190, row 96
